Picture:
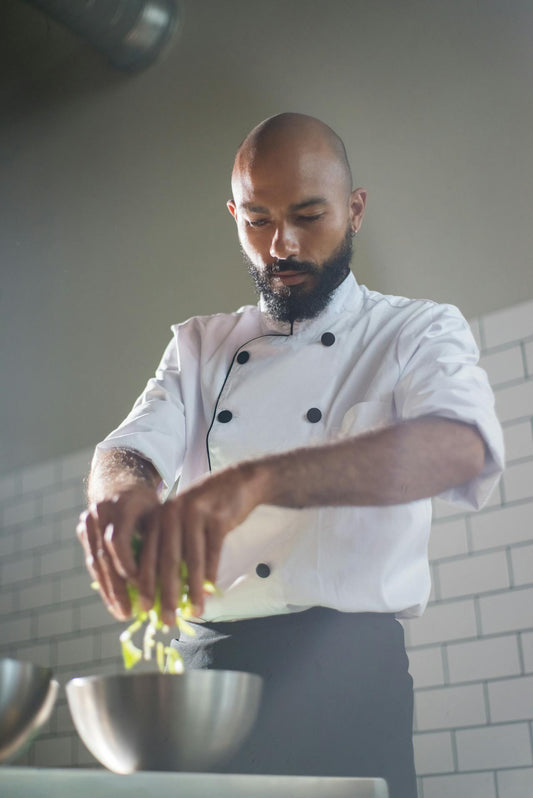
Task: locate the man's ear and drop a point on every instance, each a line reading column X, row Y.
column 232, row 208
column 357, row 207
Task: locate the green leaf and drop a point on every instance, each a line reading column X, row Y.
column 174, row 662
column 132, row 654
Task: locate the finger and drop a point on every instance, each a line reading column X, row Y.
column 147, row 569
column 212, row 555
column 115, row 586
column 90, row 539
column 118, row 534
column 111, row 586
column 194, row 556
column 169, row 562
column 121, row 598
column 83, row 537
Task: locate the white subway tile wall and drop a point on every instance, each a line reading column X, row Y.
column 44, row 589
column 526, row 639
column 485, row 658
column 494, row 747
column 433, row 753
column 471, row 653
column 528, row 351
column 515, row 783
column 514, row 402
column 518, row 440
column 505, row 365
column 471, row 785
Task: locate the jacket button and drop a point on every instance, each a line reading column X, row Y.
column 328, row 339
column 263, row 570
column 224, row 416
column 243, row 357
column 314, row 415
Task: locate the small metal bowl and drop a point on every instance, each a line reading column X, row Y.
column 27, row 697
column 153, row 721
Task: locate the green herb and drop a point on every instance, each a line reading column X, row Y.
column 168, row 659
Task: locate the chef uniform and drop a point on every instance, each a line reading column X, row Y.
column 231, row 387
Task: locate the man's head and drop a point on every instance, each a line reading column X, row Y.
column 296, row 212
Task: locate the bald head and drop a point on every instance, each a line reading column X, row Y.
column 289, row 137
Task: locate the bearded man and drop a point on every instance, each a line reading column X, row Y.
column 308, row 434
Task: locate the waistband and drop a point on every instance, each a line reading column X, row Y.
column 300, row 620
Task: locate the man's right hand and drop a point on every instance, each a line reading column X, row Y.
column 106, row 530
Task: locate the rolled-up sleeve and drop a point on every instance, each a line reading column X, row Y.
column 439, row 375
column 155, row 427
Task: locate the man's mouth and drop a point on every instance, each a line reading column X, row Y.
column 291, row 277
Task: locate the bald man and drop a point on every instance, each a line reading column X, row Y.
column 308, row 434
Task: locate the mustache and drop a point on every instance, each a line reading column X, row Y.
column 280, row 266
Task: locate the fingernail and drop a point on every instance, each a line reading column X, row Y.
column 169, row 617
column 114, row 609
column 146, row 603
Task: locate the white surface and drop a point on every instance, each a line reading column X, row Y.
column 52, row 783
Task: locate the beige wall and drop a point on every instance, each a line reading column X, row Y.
column 112, row 187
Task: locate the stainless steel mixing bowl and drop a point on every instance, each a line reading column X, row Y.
column 27, row 697
column 152, row 721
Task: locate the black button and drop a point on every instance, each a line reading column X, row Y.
column 314, row 415
column 224, row 416
column 263, row 570
column 328, row 339
column 243, row 357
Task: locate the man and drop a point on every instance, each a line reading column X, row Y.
column 308, row 434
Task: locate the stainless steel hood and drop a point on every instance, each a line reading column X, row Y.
column 130, row 33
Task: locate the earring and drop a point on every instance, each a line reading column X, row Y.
column 354, row 233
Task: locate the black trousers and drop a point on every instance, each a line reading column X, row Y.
column 337, row 696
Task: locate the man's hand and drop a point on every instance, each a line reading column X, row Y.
column 200, row 518
column 106, row 530
column 191, row 526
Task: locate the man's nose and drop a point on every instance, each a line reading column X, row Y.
column 284, row 243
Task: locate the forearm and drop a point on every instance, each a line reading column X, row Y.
column 116, row 470
column 409, row 461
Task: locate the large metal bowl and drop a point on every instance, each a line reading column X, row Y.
column 27, row 697
column 152, row 721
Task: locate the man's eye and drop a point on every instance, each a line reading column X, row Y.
column 314, row 218
column 257, row 222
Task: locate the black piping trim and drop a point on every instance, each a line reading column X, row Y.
column 256, row 338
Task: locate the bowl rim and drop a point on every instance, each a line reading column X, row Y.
column 193, row 673
column 45, row 669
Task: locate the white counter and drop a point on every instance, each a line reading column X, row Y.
column 79, row 783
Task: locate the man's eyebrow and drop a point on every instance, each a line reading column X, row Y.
column 297, row 206
column 249, row 206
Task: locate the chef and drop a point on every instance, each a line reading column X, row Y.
column 308, row 434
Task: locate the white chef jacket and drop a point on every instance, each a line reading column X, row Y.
column 234, row 386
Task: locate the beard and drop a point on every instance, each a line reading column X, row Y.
column 295, row 303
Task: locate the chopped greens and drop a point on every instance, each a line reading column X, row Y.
column 168, row 659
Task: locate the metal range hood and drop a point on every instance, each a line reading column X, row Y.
column 130, row 33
